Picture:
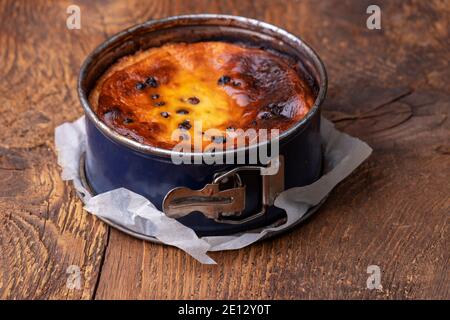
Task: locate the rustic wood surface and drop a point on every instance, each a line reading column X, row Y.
column 389, row 87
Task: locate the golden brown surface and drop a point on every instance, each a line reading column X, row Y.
column 151, row 94
column 388, row 87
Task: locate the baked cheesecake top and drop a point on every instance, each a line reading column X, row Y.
column 148, row 95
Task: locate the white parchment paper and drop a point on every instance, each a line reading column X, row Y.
column 342, row 153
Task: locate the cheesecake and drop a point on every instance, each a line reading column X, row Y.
column 149, row 95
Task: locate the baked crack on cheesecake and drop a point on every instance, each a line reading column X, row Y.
column 150, row 94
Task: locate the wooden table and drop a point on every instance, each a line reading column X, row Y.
column 389, row 87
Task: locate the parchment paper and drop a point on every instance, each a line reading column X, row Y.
column 342, row 153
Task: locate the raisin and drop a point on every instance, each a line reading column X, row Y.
column 155, row 96
column 159, row 104
column 223, row 80
column 194, row 100
column 151, row 81
column 182, row 111
column 140, row 86
column 164, row 114
column 276, row 109
column 128, row 120
column 185, row 125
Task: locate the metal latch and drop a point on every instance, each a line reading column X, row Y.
column 225, row 196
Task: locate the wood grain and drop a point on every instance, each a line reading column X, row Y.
column 390, row 87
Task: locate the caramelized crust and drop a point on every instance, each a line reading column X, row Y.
column 148, row 95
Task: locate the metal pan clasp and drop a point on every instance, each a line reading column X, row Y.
column 225, row 196
column 213, row 200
